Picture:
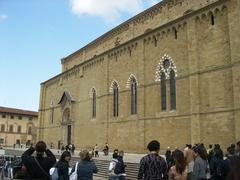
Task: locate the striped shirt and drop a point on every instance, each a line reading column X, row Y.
column 153, row 167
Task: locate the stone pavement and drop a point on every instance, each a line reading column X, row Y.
column 128, row 157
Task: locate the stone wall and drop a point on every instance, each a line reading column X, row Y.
column 204, row 51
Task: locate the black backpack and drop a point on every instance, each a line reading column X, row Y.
column 119, row 168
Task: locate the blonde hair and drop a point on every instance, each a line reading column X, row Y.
column 85, row 155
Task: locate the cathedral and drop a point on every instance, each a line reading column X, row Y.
column 170, row 73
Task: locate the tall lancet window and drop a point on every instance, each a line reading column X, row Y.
column 133, row 96
column 163, row 92
column 94, row 105
column 115, row 99
column 172, row 90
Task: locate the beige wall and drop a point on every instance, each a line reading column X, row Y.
column 207, row 86
column 159, row 15
column 23, row 136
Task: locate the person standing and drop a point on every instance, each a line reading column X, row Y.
column 180, row 170
column 63, row 165
column 86, row 167
column 96, row 150
column 153, row 166
column 38, row 166
column 112, row 166
column 120, row 166
column 200, row 164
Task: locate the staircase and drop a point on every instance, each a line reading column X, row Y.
column 102, row 165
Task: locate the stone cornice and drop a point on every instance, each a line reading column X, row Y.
column 133, row 42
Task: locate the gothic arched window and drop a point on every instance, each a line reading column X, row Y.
column 172, row 90
column 115, row 99
column 93, row 103
column 166, row 70
column 133, row 96
column 163, row 92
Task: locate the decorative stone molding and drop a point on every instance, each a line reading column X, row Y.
column 91, row 92
column 166, row 70
column 205, row 16
column 112, row 85
column 128, row 84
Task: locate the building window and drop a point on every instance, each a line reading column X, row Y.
column 3, row 115
column 11, row 128
column 212, row 20
column 2, row 128
column 93, row 103
column 19, row 117
column 30, row 118
column 19, row 129
column 163, row 92
column 1, row 141
column 115, row 99
column 29, row 130
column 172, row 90
column 12, row 117
column 133, row 96
column 52, row 115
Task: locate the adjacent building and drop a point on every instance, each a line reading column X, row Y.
column 17, row 127
column 170, row 73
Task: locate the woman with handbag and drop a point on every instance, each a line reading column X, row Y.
column 85, row 167
column 63, row 166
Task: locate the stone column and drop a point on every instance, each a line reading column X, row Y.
column 193, row 62
column 233, row 11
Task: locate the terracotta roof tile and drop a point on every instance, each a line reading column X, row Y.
column 18, row 111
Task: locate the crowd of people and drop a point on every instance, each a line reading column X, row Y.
column 192, row 163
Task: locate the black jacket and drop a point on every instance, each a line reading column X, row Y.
column 34, row 171
column 62, row 167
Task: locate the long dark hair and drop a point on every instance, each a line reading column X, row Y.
column 65, row 154
column 180, row 161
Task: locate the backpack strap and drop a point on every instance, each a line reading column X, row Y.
column 41, row 167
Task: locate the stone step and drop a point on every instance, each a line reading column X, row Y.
column 102, row 165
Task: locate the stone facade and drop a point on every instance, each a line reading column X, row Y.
column 17, row 127
column 201, row 40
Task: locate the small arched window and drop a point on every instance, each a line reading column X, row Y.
column 19, row 129
column 11, row 128
column 115, row 99
column 2, row 128
column 94, row 101
column 172, row 90
column 163, row 92
column 133, row 96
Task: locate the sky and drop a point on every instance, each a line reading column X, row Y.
column 36, row 34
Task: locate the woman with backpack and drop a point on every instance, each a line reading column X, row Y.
column 180, row 170
column 63, row 166
column 112, row 166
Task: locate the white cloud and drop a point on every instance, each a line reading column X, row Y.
column 110, row 10
column 3, row 17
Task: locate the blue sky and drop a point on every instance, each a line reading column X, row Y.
column 36, row 34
